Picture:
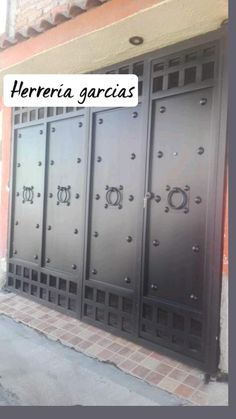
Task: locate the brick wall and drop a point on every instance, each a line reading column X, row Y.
column 25, row 13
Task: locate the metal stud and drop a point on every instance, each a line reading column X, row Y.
column 18, row 164
column 160, row 154
column 80, row 124
column 95, row 234
column 41, row 132
column 37, row 226
column 131, row 198
column 134, row 114
column 119, row 206
column 50, row 195
column 52, row 162
column 175, row 154
column 167, row 187
column 99, row 159
column 49, row 227
column 186, row 210
column 15, row 252
column 193, row 297
column 76, row 231
column 186, row 188
column 97, row 196
column 53, row 129
column 36, row 257
column 17, row 193
column 156, row 243
column 38, row 195
column 19, row 135
column 78, row 160
column 133, row 156
column 39, row 163
column 48, row 260
column 77, row 195
column 121, row 187
column 106, row 206
column 129, row 239
column 167, row 209
column 100, row 121
column 127, row 280
column 68, row 204
column 153, row 287
column 162, row 109
column 157, row 198
column 73, row 266
column 198, row 200
column 106, row 188
column 200, row 150
column 203, row 101
column 94, row 271
column 195, row 249
column 16, row 223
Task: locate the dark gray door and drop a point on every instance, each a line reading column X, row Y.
column 176, row 220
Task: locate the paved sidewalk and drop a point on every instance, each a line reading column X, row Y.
column 158, row 371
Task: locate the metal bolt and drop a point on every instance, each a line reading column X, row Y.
column 167, row 187
column 52, row 162
column 131, row 198
column 127, row 280
column 134, row 114
column 18, row 164
column 186, row 188
column 36, row 257
column 68, row 204
column 97, row 196
column 73, row 266
column 153, row 287
column 193, row 297
column 48, row 260
column 133, row 156
column 106, row 206
column 16, row 223
column 41, row 132
column 203, row 101
column 95, row 234
column 17, row 193
column 53, row 129
column 129, row 239
column 200, row 150
column 38, row 195
column 39, row 163
column 37, row 226
column 120, row 206
column 50, row 195
column 80, row 124
column 106, row 187
column 155, row 243
column 198, row 200
column 99, row 159
column 167, row 209
column 186, row 210
column 77, row 196
column 49, row 227
column 19, row 135
column 195, row 249
column 94, row 271
column 148, row 195
column 100, row 121
column 162, row 109
column 157, row 198
column 78, row 160
column 58, row 203
column 121, row 187
column 175, row 153
column 160, row 154
column 15, row 252
column 76, row 231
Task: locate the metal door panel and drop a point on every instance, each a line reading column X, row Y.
column 64, row 227
column 28, row 194
column 116, row 163
column 177, row 217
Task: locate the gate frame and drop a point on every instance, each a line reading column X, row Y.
column 215, row 232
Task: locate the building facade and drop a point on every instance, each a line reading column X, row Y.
column 125, row 209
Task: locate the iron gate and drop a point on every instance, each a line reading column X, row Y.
column 112, row 209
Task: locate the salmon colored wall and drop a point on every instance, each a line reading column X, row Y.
column 6, row 152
